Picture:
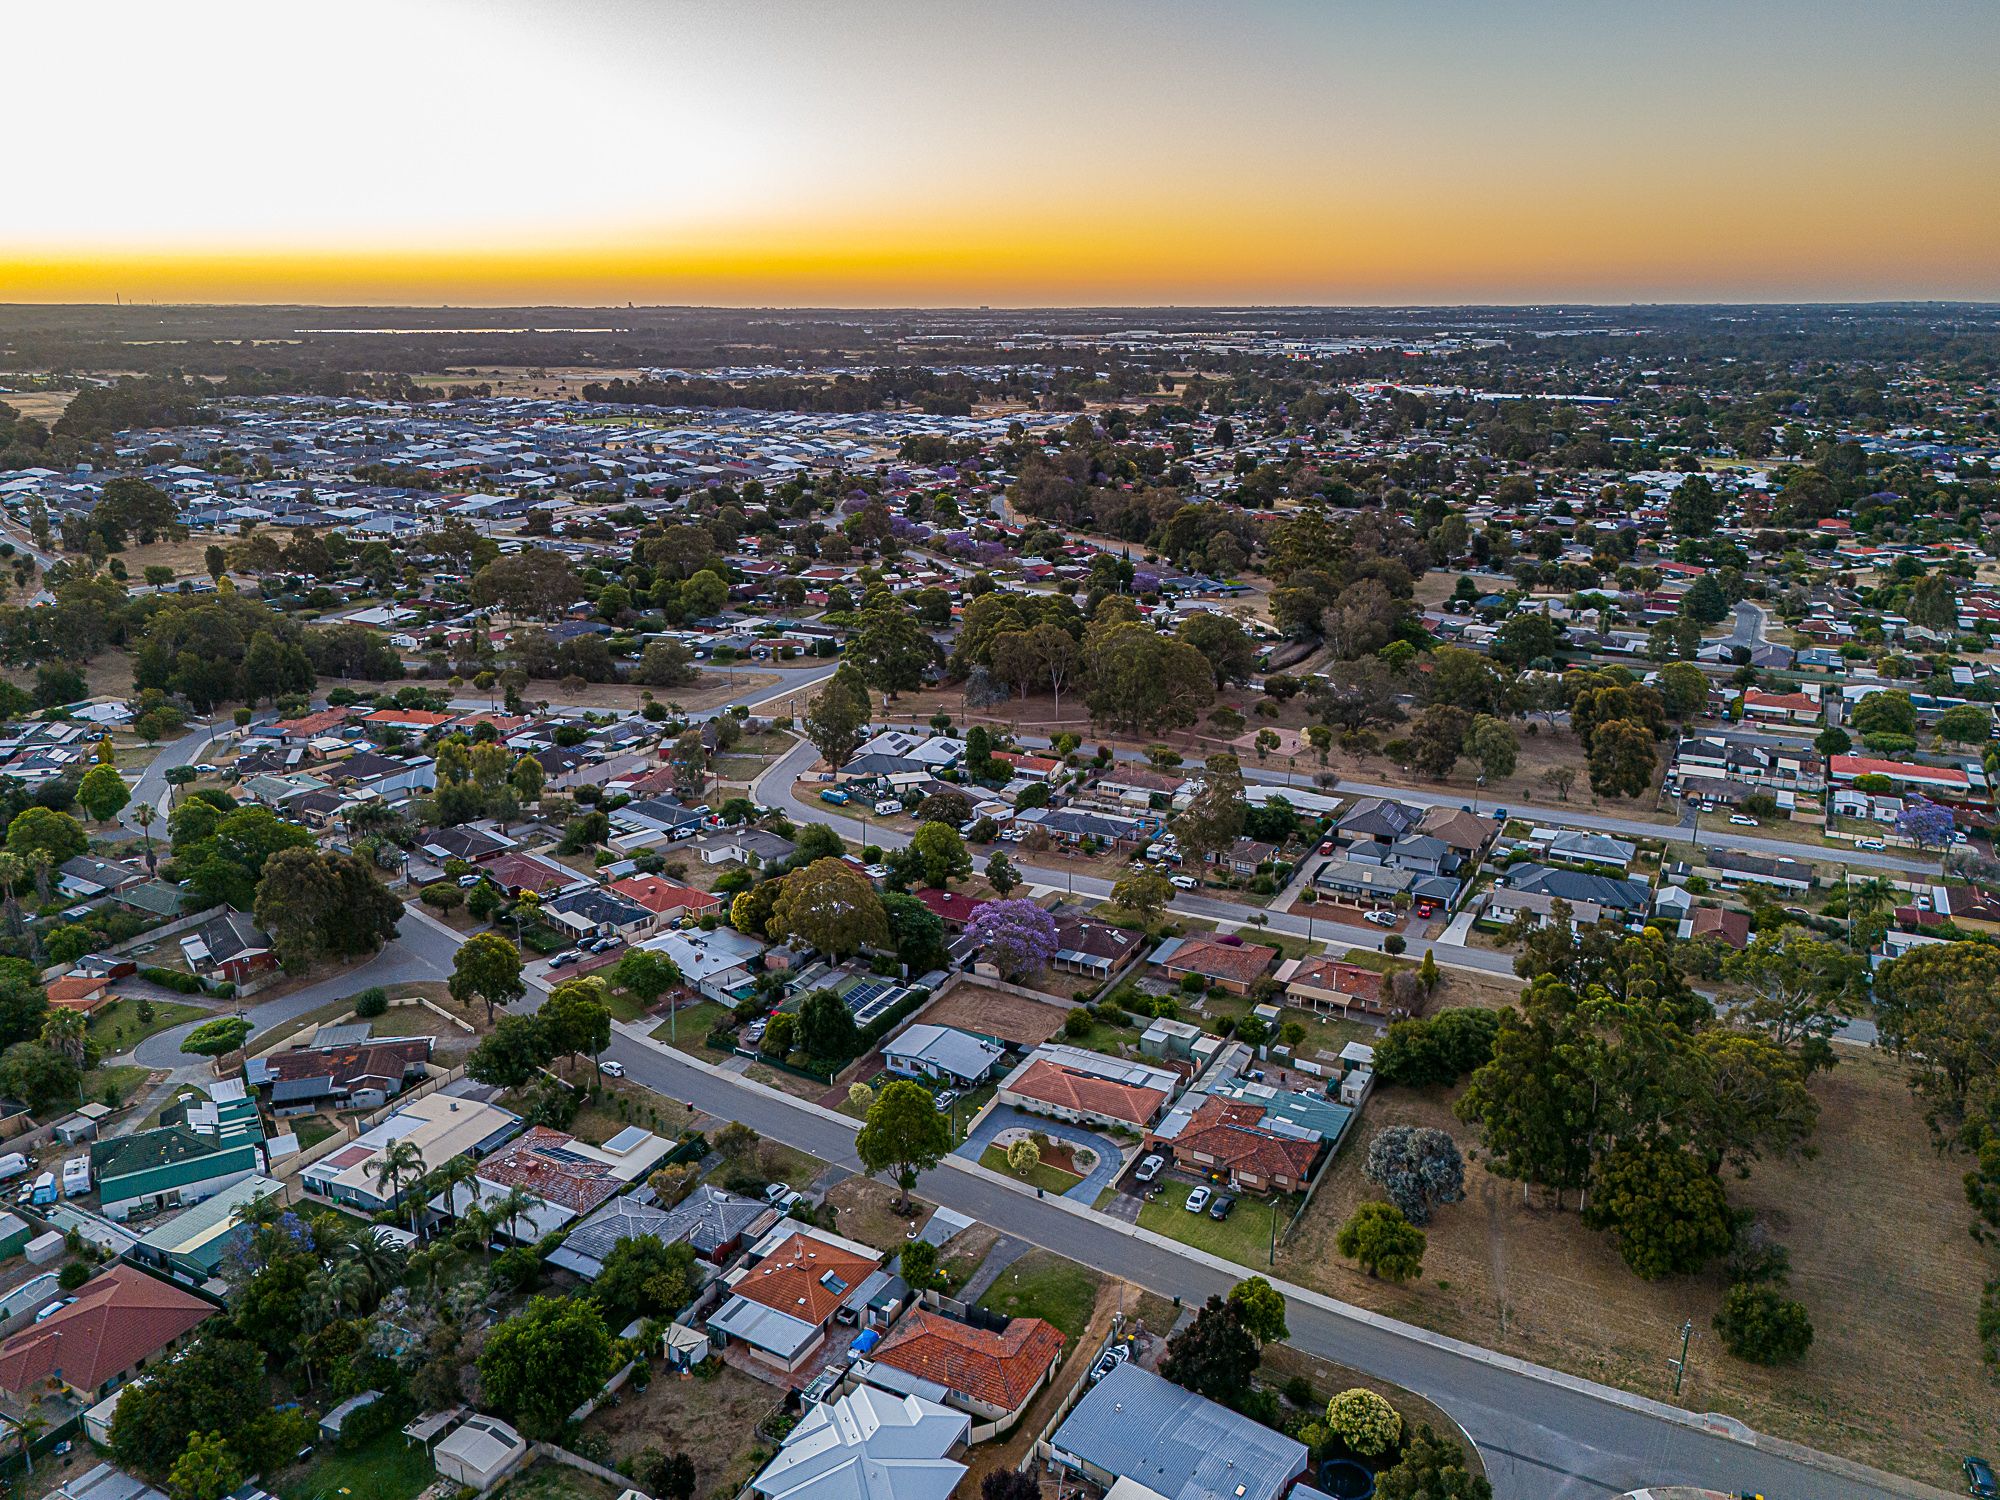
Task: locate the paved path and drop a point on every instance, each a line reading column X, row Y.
column 1006, row 1250
column 1544, row 1436
column 1110, row 1159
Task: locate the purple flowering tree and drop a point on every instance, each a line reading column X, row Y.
column 1018, row 937
column 1925, row 823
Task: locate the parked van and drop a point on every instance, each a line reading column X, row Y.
column 13, row 1164
column 76, row 1177
column 44, row 1190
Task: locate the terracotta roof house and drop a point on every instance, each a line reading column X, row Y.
column 991, row 1374
column 667, row 900
column 363, row 1076
column 1088, row 1088
column 119, row 1321
column 949, row 907
column 1731, row 927
column 783, row 1302
column 1232, row 966
column 567, row 1177
column 1229, row 1137
column 82, row 993
column 517, row 872
column 1331, row 987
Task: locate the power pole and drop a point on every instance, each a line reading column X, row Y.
column 1679, row 1366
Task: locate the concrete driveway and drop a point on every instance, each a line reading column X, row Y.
column 1110, row 1156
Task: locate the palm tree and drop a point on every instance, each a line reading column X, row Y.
column 64, row 1031
column 426, row 1269
column 449, row 1178
column 475, row 1230
column 28, row 1427
column 403, row 1160
column 40, row 863
column 512, row 1207
column 12, row 869
column 143, row 814
column 380, row 1261
column 1864, row 900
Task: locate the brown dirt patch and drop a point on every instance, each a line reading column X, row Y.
column 713, row 1421
column 864, row 1213
column 1013, row 1018
column 1876, row 1227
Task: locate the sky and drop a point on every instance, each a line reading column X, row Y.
column 1026, row 152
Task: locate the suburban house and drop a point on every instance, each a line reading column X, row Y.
column 230, row 948
column 869, row 1445
column 584, row 1248
column 119, row 1321
column 1504, row 906
column 1331, row 987
column 717, row 1223
column 1232, row 966
column 566, row 1177
column 1592, row 848
column 1363, row 884
column 150, row 1170
column 949, row 907
column 1378, row 820
column 783, row 1302
column 1731, row 927
column 992, row 1374
column 1624, row 897
column 1094, row 949
column 1240, row 1142
column 82, row 993
column 517, row 873
column 1466, row 832
column 441, row 1126
column 715, row 964
column 1088, row 1088
column 1948, row 780
column 364, row 1076
column 1136, row 1426
column 667, row 900
column 1800, row 707
column 593, row 911
column 1732, row 868
column 193, row 1244
column 944, row 1052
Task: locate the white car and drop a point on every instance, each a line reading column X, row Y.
column 1870, row 844
column 1742, row 822
column 1149, row 1168
column 1184, row 882
column 614, row 1070
column 1197, row 1200
column 1380, row 918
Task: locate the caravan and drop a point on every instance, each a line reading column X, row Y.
column 76, row 1177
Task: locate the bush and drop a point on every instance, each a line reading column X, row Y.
column 1760, row 1324
column 1393, row 943
column 1438, row 1050
column 172, row 979
column 371, row 1002
column 1077, row 1023
column 73, row 1275
column 1299, row 1391
column 1364, row 1421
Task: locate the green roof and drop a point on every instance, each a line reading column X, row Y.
column 148, row 1149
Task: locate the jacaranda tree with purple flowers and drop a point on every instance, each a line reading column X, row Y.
column 1018, row 937
column 1925, row 824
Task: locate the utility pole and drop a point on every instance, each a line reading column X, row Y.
column 1679, row 1366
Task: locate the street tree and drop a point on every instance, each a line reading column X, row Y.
column 1213, row 820
column 832, row 906
column 903, row 1135
column 1261, row 1309
column 1383, row 1242
column 487, row 968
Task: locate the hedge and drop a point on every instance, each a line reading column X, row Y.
column 173, row 979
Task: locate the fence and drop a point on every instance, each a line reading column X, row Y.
column 291, row 1166
column 14, row 1462
column 583, row 1465
column 429, row 1086
column 146, row 939
column 1039, row 1448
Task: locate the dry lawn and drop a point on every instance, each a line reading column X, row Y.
column 1013, row 1018
column 1876, row 1228
column 713, row 1421
column 864, row 1213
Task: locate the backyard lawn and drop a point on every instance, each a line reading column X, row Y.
column 118, row 1028
column 389, row 1468
column 1049, row 1178
column 1244, row 1237
column 547, row 1480
column 121, row 1081
column 688, row 1028
column 1041, row 1285
column 312, row 1129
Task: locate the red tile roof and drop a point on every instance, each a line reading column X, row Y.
column 529, row 1162
column 951, row 907
column 794, row 1278
column 658, row 894
column 1341, row 978
column 997, row 1369
column 312, row 724
column 118, row 1319
column 1207, row 957
column 1231, row 1134
column 80, row 992
column 1052, row 1083
column 1901, row 770
column 1733, row 927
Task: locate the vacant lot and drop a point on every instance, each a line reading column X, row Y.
column 864, row 1210
column 1045, row 1286
column 1012, row 1018
column 1876, row 1227
column 713, row 1419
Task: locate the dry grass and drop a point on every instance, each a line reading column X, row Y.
column 1876, row 1227
column 1013, row 1018
column 43, row 406
column 865, row 1213
column 713, row 1421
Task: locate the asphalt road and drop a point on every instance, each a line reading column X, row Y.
column 1541, row 1440
column 1750, row 621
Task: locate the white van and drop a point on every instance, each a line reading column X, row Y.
column 76, row 1177
column 13, row 1164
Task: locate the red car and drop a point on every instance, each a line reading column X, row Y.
column 1425, row 909
column 1327, row 847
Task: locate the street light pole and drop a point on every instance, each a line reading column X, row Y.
column 1680, row 1365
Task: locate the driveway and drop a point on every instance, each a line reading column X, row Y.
column 1110, row 1155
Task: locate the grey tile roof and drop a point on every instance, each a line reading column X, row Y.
column 1141, row 1427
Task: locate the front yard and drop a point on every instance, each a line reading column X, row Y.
column 1045, row 1286
column 1042, row 1175
column 117, row 1027
column 1244, row 1237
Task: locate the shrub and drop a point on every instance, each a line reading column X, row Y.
column 172, row 979
column 1760, row 1324
column 371, row 1002
column 1364, row 1421
column 1393, row 943
column 1077, row 1023
column 73, row 1275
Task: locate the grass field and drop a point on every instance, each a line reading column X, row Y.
column 1045, row 1286
column 1050, row 1179
column 389, row 1468
column 123, row 1080
column 1876, row 1226
column 1244, row 1237
column 118, row 1028
column 689, row 1027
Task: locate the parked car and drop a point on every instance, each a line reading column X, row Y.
column 563, row 959
column 1149, row 1168
column 1327, row 847
column 467, row 882
column 1379, row 918
column 614, row 1070
column 946, row 1100
column 1740, row 821
column 1220, row 1208
column 13, row 1164
column 754, row 1032
column 1184, row 882
column 1198, row 1200
column 1109, row 1360
column 53, row 1308
column 1426, row 909
column 1875, row 844
column 1979, row 1478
